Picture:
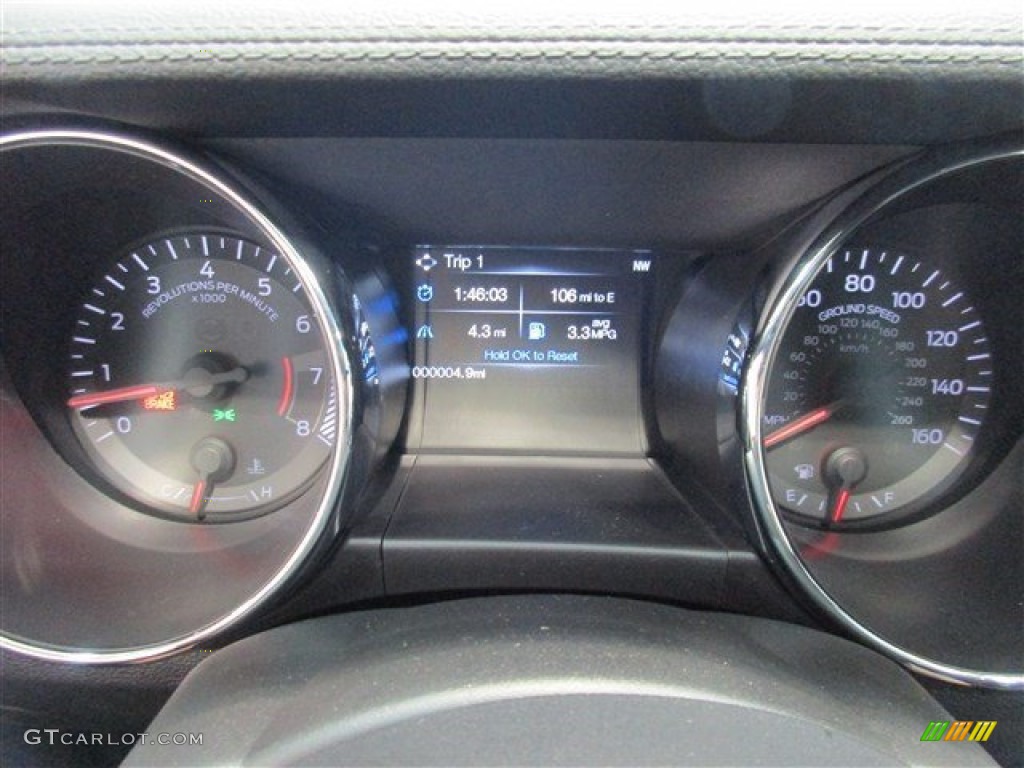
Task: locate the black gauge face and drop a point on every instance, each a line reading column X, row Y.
column 199, row 383
column 878, row 390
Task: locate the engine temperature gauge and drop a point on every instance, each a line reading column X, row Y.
column 198, row 381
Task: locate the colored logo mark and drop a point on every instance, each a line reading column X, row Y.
column 225, row 415
column 958, row 730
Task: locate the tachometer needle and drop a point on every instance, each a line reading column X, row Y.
column 801, row 425
column 202, row 380
column 120, row 395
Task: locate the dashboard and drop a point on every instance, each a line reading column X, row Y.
column 511, row 368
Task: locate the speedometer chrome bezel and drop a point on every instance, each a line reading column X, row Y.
column 323, row 523
column 861, row 205
column 849, row 330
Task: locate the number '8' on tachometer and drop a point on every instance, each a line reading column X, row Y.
column 877, row 391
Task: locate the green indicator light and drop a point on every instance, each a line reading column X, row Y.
column 225, row 415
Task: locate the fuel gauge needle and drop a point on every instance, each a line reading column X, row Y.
column 838, row 507
column 803, row 424
column 845, row 467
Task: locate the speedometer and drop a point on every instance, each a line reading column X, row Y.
column 878, row 390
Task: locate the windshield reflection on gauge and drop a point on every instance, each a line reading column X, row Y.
column 877, row 392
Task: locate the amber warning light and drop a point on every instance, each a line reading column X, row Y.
column 161, row 401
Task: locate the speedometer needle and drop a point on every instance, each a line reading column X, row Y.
column 140, row 391
column 801, row 425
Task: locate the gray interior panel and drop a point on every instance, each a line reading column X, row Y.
column 549, row 680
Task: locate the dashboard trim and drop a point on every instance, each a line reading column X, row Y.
column 538, row 39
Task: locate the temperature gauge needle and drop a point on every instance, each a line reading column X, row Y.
column 200, row 495
column 803, row 424
column 214, row 461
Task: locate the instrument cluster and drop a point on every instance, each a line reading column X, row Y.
column 208, row 395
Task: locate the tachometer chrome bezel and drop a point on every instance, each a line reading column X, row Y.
column 324, row 523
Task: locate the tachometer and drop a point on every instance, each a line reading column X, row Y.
column 878, row 390
column 198, row 383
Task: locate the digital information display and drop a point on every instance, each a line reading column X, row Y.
column 529, row 349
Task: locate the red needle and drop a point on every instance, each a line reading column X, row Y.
column 197, row 378
column 113, row 396
column 842, row 499
column 198, row 497
column 801, row 425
